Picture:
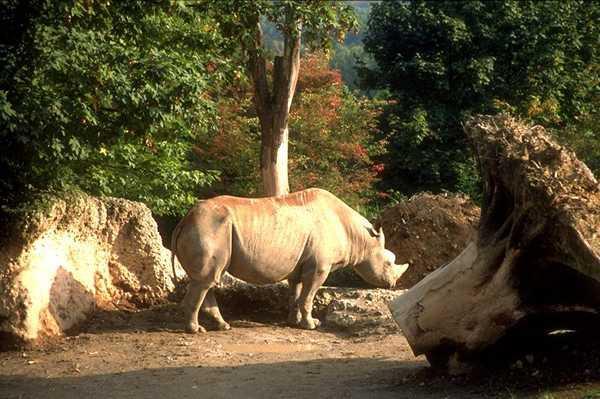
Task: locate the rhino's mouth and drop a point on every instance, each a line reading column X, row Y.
column 389, row 256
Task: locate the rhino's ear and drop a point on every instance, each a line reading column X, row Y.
column 381, row 237
column 377, row 234
column 373, row 232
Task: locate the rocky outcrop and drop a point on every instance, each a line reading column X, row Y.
column 82, row 254
column 354, row 311
column 357, row 311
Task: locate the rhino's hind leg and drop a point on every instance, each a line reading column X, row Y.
column 294, row 316
column 191, row 305
column 211, row 308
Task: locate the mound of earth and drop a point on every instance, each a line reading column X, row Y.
column 427, row 231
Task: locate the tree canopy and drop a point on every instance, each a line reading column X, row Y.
column 152, row 101
column 311, row 23
column 332, row 138
column 109, row 98
column 441, row 60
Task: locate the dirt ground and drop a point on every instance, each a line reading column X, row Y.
column 144, row 354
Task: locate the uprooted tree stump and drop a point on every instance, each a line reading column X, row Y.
column 535, row 255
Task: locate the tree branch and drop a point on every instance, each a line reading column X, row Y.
column 258, row 72
column 285, row 71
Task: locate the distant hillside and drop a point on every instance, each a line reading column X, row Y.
column 348, row 55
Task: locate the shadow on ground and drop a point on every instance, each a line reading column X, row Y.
column 327, row 378
column 169, row 318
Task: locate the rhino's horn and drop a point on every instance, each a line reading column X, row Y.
column 399, row 270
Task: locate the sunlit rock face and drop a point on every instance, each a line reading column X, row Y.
column 80, row 255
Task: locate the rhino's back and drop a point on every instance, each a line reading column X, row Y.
column 271, row 236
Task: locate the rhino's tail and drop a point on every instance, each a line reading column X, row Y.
column 174, row 237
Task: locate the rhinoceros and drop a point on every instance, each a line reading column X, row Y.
column 300, row 237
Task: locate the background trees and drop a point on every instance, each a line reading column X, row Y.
column 441, row 60
column 311, row 21
column 108, row 98
column 333, row 138
column 155, row 101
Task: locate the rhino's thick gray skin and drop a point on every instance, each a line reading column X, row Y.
column 300, row 237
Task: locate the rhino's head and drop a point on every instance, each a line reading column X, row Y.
column 379, row 265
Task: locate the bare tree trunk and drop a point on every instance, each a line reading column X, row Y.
column 274, row 163
column 273, row 107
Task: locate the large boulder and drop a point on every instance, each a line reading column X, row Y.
column 83, row 253
column 427, row 231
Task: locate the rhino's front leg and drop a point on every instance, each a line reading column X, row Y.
column 311, row 282
column 294, row 315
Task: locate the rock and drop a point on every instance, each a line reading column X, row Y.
column 354, row 310
column 340, row 319
column 336, row 305
column 358, row 311
column 83, row 254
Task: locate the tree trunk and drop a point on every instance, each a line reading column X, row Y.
column 273, row 106
column 274, row 162
column 536, row 254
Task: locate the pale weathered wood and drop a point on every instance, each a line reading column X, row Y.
column 537, row 250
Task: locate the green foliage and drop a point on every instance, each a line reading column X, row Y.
column 108, row 97
column 333, row 136
column 469, row 180
column 441, row 60
column 234, row 148
column 345, row 59
column 321, row 20
column 583, row 137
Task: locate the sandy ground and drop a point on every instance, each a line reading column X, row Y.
column 146, row 355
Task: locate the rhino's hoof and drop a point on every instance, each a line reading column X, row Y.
column 224, row 326
column 310, row 324
column 194, row 328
